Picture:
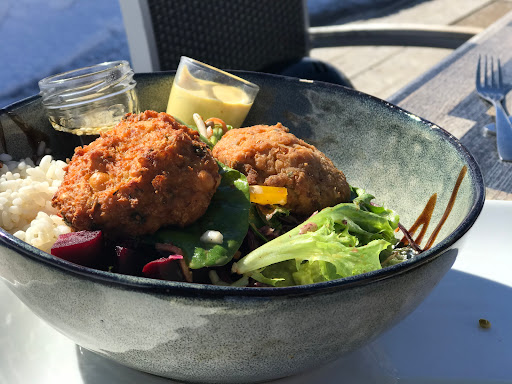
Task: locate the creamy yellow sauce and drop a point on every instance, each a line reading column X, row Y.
column 209, row 99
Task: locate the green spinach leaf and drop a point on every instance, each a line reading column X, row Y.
column 228, row 213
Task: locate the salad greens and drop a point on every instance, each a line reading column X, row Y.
column 340, row 241
column 348, row 239
column 345, row 240
column 228, row 213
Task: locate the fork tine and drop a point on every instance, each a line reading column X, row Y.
column 500, row 82
column 493, row 74
column 489, row 78
column 478, row 80
column 486, row 78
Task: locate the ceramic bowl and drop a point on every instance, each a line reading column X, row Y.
column 201, row 333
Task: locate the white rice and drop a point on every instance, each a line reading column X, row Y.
column 26, row 192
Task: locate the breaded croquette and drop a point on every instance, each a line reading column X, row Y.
column 147, row 172
column 270, row 155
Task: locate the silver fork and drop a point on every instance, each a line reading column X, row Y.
column 493, row 90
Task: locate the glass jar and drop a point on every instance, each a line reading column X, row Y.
column 90, row 100
column 210, row 92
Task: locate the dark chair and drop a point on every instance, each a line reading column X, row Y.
column 256, row 35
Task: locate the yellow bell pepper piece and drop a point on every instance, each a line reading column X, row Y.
column 261, row 194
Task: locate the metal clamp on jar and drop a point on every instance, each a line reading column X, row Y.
column 90, row 100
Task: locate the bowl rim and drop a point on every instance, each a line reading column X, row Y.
column 211, row 291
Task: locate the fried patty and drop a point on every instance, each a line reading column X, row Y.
column 270, row 155
column 147, row 172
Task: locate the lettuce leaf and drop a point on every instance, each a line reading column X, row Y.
column 345, row 240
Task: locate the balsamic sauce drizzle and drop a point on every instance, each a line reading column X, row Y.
column 448, row 209
column 425, row 216
column 422, row 221
column 407, row 239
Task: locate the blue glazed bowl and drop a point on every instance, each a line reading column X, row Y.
column 201, row 333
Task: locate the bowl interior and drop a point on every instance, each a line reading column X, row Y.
column 396, row 156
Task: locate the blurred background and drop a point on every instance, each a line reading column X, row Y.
column 44, row 37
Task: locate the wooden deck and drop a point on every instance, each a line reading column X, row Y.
column 382, row 71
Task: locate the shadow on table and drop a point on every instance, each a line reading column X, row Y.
column 96, row 369
column 440, row 339
column 496, row 172
column 413, row 86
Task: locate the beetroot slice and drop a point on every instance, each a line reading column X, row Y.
column 166, row 268
column 127, row 261
column 83, row 248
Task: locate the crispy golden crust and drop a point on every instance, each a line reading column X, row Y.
column 270, row 155
column 147, row 172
